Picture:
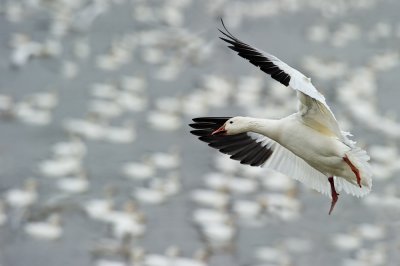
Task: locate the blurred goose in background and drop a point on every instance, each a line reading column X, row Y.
column 166, row 160
column 232, row 184
column 101, row 208
column 247, row 209
column 308, row 145
column 139, row 170
column 204, row 216
column 105, row 109
column 220, row 235
column 74, row 184
column 163, row 121
column 125, row 133
column 172, row 257
column 61, row 166
column 50, row 229
column 273, row 255
column 371, row 231
column 75, row 147
column 128, row 222
column 26, row 112
column 107, row 262
column 211, row 198
column 25, row 197
column 347, row 241
column 150, row 195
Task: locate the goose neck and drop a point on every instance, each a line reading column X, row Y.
column 266, row 127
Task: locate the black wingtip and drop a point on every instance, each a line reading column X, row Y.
column 211, row 119
column 201, row 132
column 223, row 25
column 227, row 33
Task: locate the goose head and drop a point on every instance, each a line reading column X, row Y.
column 232, row 126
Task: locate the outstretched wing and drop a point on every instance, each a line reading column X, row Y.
column 312, row 105
column 246, row 148
column 258, row 150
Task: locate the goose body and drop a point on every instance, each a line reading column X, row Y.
column 307, row 145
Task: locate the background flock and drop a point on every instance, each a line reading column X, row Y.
column 97, row 165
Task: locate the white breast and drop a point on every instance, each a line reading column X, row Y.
column 321, row 151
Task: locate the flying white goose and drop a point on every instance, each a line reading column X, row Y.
column 308, row 145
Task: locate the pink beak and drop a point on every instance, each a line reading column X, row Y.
column 219, row 130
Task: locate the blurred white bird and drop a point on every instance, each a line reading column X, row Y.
column 272, row 255
column 204, row 216
column 163, row 121
column 107, row 262
column 139, row 170
column 166, row 160
column 347, row 241
column 210, row 198
column 120, row 134
column 219, row 235
column 74, row 184
column 25, row 197
column 73, row 148
column 127, row 222
column 61, row 166
column 247, row 209
column 371, row 231
column 50, row 229
column 99, row 209
column 150, row 195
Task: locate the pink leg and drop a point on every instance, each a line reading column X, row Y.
column 334, row 194
column 354, row 169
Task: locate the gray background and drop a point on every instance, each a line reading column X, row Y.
column 24, row 146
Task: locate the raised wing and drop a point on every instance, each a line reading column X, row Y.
column 312, row 105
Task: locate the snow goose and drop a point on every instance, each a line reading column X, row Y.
column 211, row 198
column 204, row 216
column 75, row 148
column 347, row 241
column 25, row 197
column 121, row 134
column 106, row 262
column 149, row 195
column 371, row 231
column 219, row 236
column 62, row 166
column 307, row 145
column 273, row 255
column 50, row 229
column 166, row 160
column 128, row 222
column 74, row 184
column 139, row 170
column 247, row 209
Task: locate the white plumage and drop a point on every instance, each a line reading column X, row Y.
column 308, row 145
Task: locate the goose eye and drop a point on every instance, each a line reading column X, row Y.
column 230, row 122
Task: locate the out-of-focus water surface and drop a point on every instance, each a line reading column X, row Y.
column 97, row 164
